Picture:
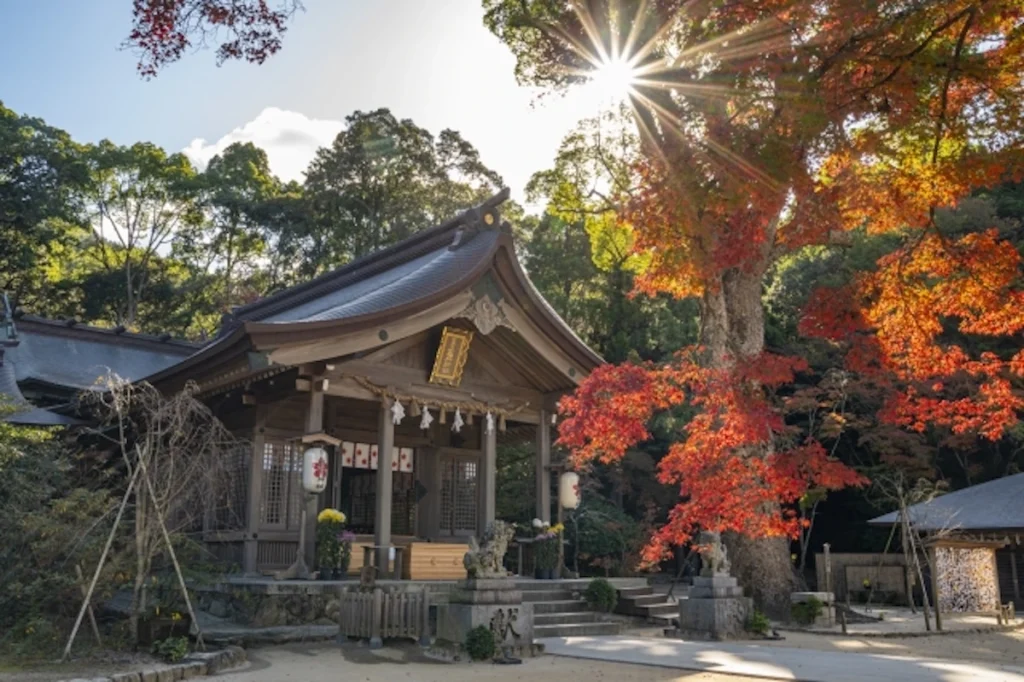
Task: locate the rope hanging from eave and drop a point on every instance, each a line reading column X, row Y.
column 466, row 407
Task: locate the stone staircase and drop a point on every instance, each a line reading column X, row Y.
column 558, row 611
column 644, row 602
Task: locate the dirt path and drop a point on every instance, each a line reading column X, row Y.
column 330, row 663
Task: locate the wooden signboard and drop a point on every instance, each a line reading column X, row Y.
column 451, row 356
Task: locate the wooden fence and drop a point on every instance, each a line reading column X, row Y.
column 378, row 614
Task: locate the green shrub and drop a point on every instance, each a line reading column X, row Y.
column 172, row 649
column 758, row 623
column 806, row 612
column 601, row 596
column 480, row 643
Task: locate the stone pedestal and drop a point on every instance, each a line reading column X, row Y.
column 496, row 604
column 714, row 609
column 827, row 617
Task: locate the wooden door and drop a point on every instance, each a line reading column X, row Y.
column 459, row 495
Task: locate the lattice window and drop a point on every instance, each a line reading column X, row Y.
column 282, row 495
column 403, row 504
column 465, row 496
column 230, row 513
column 458, row 496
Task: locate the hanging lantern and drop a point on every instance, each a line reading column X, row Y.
column 314, row 470
column 569, row 490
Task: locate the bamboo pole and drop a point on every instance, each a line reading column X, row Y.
column 99, row 565
column 174, row 557
column 92, row 616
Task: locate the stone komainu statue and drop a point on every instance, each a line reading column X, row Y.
column 484, row 559
column 715, row 560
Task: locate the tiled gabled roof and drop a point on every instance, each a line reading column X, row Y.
column 996, row 505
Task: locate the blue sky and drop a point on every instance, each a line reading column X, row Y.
column 428, row 60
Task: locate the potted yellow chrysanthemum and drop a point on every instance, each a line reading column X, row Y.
column 329, row 525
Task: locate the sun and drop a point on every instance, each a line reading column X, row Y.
column 614, row 79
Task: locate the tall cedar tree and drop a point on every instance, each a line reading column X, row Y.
column 766, row 126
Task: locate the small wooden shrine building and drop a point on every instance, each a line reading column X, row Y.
column 405, row 364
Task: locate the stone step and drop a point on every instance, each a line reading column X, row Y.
column 546, row 595
column 632, row 592
column 564, row 618
column 577, row 630
column 643, row 600
column 563, row 606
column 663, row 610
column 544, row 585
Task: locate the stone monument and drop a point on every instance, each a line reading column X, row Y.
column 488, row 597
column 715, row 607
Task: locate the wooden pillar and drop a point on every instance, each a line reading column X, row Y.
column 936, row 586
column 543, row 467
column 1014, row 574
column 250, row 561
column 382, row 515
column 314, row 424
column 489, row 471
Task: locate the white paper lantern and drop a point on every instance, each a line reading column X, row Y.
column 314, row 470
column 569, row 490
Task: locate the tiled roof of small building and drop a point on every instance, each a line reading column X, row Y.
column 996, row 505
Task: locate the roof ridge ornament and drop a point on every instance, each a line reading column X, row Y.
column 486, row 314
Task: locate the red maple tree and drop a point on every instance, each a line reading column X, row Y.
column 246, row 29
column 768, row 126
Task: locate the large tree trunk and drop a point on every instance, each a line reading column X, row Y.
column 733, row 328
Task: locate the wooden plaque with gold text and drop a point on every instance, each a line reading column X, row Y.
column 451, row 356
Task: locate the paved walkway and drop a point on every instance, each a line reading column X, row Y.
column 776, row 662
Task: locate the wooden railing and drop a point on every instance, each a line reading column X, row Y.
column 378, row 614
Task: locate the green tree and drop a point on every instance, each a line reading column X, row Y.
column 139, row 197
column 231, row 241
column 382, row 179
column 41, row 173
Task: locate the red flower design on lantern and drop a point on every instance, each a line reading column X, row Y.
column 320, row 468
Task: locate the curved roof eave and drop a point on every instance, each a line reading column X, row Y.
column 510, row 271
column 270, row 335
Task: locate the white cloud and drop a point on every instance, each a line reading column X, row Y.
column 289, row 138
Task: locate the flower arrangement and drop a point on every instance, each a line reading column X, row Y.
column 545, row 547
column 329, row 526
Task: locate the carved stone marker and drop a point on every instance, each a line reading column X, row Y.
column 715, row 607
column 495, row 603
column 488, row 597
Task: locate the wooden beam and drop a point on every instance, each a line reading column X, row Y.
column 320, row 437
column 489, row 475
column 395, row 348
column 416, row 380
column 365, row 339
column 314, row 424
column 542, row 467
column 255, row 495
column 382, row 515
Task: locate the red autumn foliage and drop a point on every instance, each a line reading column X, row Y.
column 780, row 124
column 248, row 29
column 728, row 479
